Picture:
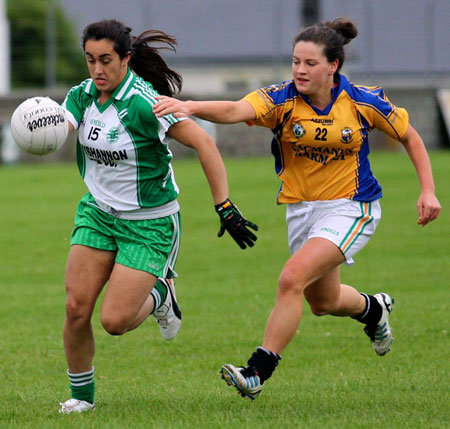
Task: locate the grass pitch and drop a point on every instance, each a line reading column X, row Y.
column 329, row 376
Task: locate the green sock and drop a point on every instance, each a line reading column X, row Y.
column 159, row 293
column 82, row 385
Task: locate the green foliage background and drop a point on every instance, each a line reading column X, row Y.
column 28, row 24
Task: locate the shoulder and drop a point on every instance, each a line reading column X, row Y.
column 370, row 101
column 143, row 92
column 79, row 97
column 82, row 87
column 281, row 92
column 373, row 104
column 274, row 95
column 370, row 96
column 141, row 99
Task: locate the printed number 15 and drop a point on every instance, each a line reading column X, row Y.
column 93, row 133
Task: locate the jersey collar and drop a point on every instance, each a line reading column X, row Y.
column 341, row 81
column 120, row 92
column 124, row 88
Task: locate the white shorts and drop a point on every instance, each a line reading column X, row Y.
column 348, row 224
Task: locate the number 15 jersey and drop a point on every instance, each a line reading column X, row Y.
column 323, row 154
column 122, row 151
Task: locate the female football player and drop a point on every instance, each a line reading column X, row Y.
column 127, row 227
column 320, row 123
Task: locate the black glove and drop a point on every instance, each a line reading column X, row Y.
column 232, row 220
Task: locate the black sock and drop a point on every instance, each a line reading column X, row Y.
column 372, row 313
column 264, row 362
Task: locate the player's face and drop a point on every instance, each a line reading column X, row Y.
column 105, row 66
column 311, row 70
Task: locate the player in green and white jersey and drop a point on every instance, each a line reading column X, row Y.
column 127, row 226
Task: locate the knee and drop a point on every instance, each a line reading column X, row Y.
column 114, row 324
column 321, row 308
column 290, row 283
column 77, row 310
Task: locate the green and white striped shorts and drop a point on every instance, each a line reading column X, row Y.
column 348, row 224
column 148, row 245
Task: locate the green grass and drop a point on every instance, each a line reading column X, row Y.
column 329, row 376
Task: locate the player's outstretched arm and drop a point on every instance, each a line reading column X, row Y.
column 428, row 205
column 192, row 135
column 220, row 112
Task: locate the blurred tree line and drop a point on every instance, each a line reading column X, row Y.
column 43, row 40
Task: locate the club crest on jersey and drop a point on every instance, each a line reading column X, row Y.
column 346, row 135
column 113, row 135
column 298, row 130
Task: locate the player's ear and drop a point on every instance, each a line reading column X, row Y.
column 126, row 59
column 334, row 66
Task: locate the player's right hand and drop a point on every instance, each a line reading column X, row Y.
column 166, row 105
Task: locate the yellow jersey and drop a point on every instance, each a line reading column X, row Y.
column 323, row 154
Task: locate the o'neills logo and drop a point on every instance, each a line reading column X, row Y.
column 46, row 121
column 298, row 130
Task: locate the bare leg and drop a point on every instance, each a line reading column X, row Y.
column 328, row 296
column 127, row 302
column 312, row 271
column 315, row 265
column 87, row 272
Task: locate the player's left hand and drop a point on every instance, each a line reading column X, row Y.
column 428, row 208
column 231, row 220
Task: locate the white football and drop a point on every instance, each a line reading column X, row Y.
column 39, row 125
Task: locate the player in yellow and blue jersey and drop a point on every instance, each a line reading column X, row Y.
column 321, row 124
column 327, row 150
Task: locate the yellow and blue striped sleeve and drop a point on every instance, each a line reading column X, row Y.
column 380, row 113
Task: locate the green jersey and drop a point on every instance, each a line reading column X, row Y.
column 122, row 152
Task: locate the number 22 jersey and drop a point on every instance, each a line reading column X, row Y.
column 323, row 154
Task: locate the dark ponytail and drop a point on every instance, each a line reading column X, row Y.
column 145, row 60
column 332, row 35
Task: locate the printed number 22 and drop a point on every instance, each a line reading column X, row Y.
column 93, row 133
column 321, row 134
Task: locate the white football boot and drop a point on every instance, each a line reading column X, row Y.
column 75, row 406
column 244, row 379
column 381, row 333
column 168, row 315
